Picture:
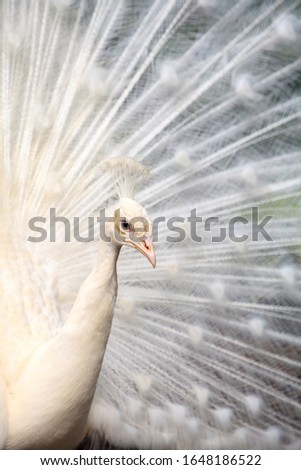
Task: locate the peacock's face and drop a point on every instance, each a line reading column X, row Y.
column 133, row 228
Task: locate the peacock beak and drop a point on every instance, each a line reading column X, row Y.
column 146, row 247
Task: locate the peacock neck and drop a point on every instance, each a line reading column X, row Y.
column 96, row 298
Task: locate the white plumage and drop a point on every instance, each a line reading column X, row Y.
column 204, row 351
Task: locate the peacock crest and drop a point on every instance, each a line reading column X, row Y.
column 126, row 175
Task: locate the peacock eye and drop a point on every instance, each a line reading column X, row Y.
column 125, row 225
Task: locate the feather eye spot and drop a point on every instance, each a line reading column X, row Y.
column 257, row 327
column 253, row 405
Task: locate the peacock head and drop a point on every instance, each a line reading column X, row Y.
column 131, row 225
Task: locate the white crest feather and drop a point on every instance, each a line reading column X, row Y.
column 127, row 175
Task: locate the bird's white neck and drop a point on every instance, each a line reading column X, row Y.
column 58, row 382
column 91, row 316
column 92, row 307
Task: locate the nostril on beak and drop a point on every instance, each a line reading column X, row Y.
column 146, row 247
column 147, row 244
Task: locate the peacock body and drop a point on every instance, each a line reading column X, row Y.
column 204, row 351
